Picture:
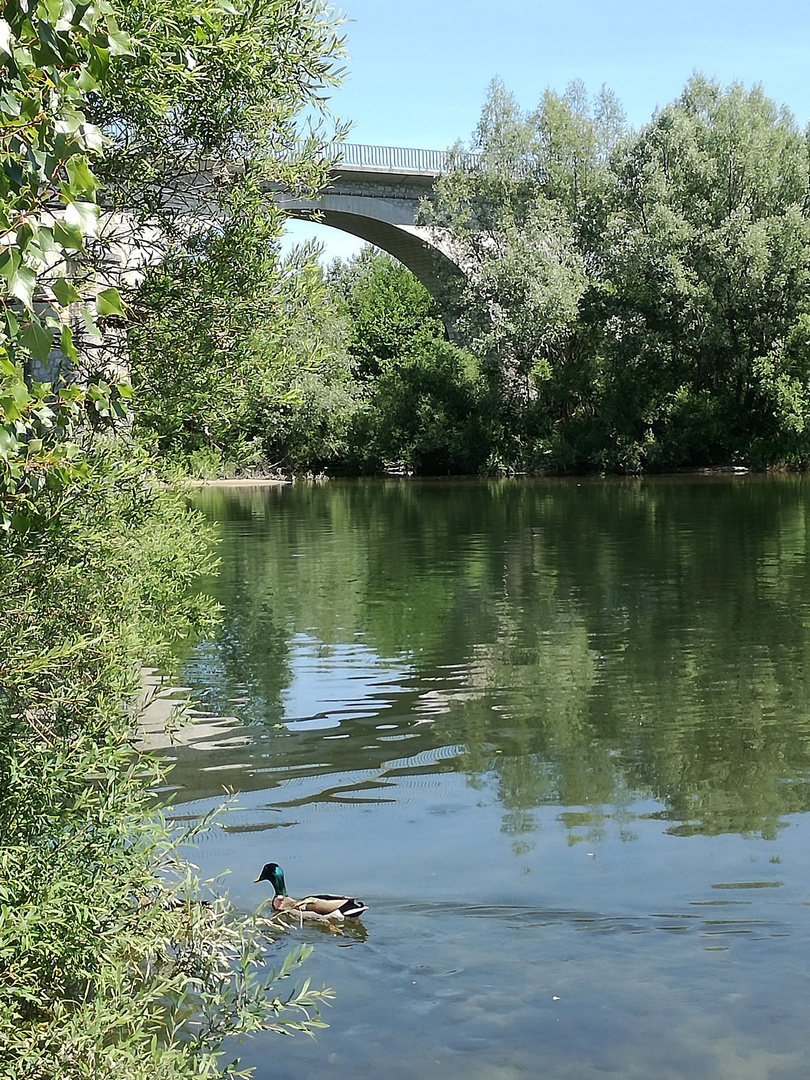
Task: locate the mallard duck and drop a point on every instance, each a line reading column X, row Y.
column 326, row 905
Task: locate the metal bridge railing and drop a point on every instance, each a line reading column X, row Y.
column 403, row 159
column 395, row 158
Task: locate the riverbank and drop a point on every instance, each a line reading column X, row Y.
column 240, row 481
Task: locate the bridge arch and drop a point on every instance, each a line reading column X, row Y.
column 374, row 193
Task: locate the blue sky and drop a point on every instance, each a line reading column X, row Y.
column 418, row 70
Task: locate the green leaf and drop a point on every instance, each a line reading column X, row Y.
column 13, row 400
column 65, row 292
column 10, row 260
column 45, row 237
column 20, row 523
column 69, row 394
column 92, row 329
column 52, row 46
column 22, row 285
column 8, row 443
column 25, row 235
column 93, row 137
column 82, row 216
column 120, row 43
column 5, row 37
column 108, row 302
column 67, row 346
column 9, row 105
column 68, row 236
column 37, row 339
column 79, row 174
column 88, row 79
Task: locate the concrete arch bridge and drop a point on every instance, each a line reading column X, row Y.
column 374, row 193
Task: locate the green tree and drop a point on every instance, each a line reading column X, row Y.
column 191, row 344
column 517, row 243
column 389, row 311
column 643, row 296
column 427, row 413
column 504, row 139
column 204, row 123
column 704, row 273
column 53, row 60
column 574, row 141
column 205, row 110
column 423, row 400
column 304, row 394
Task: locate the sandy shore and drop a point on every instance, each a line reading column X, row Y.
column 167, row 718
column 242, row 481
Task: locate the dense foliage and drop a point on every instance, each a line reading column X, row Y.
column 195, row 145
column 630, row 301
column 704, row 280
column 643, row 294
column 219, row 388
column 109, row 964
column 422, row 397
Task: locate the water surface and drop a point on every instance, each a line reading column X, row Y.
column 556, row 735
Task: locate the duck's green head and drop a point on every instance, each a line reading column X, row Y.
column 273, row 873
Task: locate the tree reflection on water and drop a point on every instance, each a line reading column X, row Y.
column 585, row 644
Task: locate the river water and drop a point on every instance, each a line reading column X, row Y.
column 556, row 734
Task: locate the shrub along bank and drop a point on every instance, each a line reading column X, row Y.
column 109, row 965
